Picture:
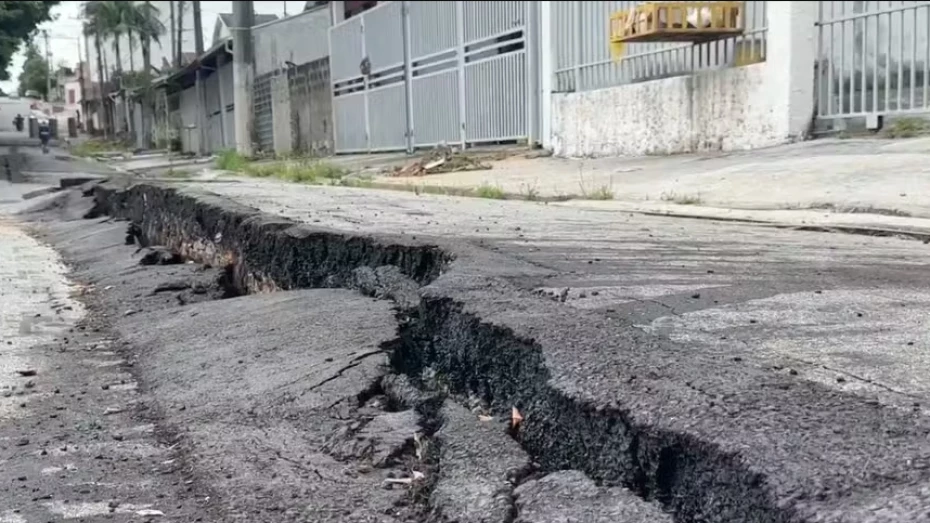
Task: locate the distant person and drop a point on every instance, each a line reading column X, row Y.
column 45, row 133
column 18, row 122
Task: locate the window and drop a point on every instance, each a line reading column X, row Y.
column 71, row 96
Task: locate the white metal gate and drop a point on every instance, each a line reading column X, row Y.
column 416, row 74
column 873, row 58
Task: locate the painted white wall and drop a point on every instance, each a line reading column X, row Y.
column 730, row 109
column 297, row 39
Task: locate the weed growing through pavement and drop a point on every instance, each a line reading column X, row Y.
column 305, row 170
column 907, row 128
column 230, row 160
column 491, row 192
column 602, row 192
column 682, row 199
column 96, row 147
column 529, row 192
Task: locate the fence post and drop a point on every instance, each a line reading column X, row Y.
column 546, row 73
column 365, row 85
column 460, row 53
column 531, row 43
column 577, row 39
column 408, row 75
column 790, row 59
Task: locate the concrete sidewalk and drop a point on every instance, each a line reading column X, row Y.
column 854, row 183
column 857, row 176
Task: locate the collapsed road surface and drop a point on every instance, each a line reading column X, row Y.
column 411, row 358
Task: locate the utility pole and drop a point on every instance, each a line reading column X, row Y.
column 85, row 102
column 201, row 99
column 48, row 68
column 243, row 71
column 174, row 43
column 179, row 58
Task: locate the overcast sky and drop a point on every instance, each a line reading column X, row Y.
column 64, row 33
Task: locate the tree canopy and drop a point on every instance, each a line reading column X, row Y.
column 18, row 21
column 34, row 76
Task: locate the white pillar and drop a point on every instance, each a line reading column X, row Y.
column 790, row 58
column 546, row 73
column 243, row 71
column 338, row 9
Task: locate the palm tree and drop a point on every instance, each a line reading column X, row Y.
column 94, row 26
column 118, row 18
column 149, row 28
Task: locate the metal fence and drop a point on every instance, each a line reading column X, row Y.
column 582, row 58
column 414, row 74
column 873, row 58
column 264, row 115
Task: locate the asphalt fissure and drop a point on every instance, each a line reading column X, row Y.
column 692, row 479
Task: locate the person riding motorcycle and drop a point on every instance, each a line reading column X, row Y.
column 45, row 133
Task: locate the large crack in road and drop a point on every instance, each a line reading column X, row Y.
column 667, row 431
column 412, row 417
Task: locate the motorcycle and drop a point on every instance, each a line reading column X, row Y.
column 44, row 137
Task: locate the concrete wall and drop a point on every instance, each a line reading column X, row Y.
column 312, row 108
column 730, row 109
column 298, row 39
column 190, row 140
column 722, row 110
column 282, row 139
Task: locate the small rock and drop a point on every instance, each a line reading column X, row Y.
column 27, row 372
column 22, row 442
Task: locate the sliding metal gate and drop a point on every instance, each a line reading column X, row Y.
column 437, row 72
column 873, row 58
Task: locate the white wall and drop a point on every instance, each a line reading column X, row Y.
column 297, row 39
column 722, row 110
column 729, row 109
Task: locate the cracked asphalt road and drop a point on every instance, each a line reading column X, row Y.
column 751, row 320
column 845, row 311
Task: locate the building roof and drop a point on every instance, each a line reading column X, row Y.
column 260, row 19
column 184, row 77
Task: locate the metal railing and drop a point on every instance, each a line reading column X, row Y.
column 582, row 58
column 873, row 58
